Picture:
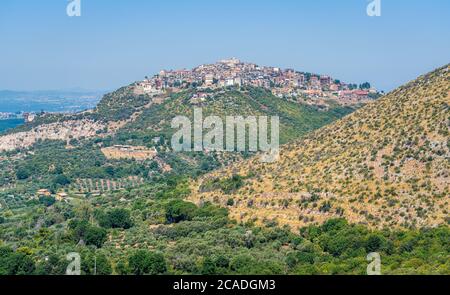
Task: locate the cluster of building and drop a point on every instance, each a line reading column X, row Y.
column 60, row 196
column 233, row 72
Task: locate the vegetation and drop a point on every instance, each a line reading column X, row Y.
column 75, row 164
column 371, row 182
column 385, row 165
column 171, row 236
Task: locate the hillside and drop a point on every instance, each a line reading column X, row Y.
column 386, row 165
column 72, row 145
column 296, row 119
column 92, row 192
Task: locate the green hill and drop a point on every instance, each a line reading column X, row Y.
column 147, row 228
column 140, row 120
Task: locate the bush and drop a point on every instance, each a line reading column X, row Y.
column 177, row 211
column 208, row 267
column 116, row 218
column 143, row 262
column 54, row 265
column 242, row 264
column 47, row 200
column 95, row 236
column 23, row 173
column 78, row 228
column 374, row 243
column 92, row 235
column 95, row 263
column 228, row 185
column 210, row 210
column 61, row 180
column 334, row 225
column 15, row 263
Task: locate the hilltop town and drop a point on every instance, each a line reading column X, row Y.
column 287, row 83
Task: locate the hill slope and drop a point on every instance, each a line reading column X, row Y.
column 71, row 145
column 385, row 165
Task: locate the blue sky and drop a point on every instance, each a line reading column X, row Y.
column 115, row 42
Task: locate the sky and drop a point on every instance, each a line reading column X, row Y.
column 116, row 42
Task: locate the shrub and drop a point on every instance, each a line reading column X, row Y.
column 47, row 200
column 61, row 180
column 23, row 173
column 143, row 262
column 15, row 263
column 95, row 236
column 116, row 218
column 177, row 211
column 374, row 243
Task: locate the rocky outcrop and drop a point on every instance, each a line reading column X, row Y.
column 67, row 130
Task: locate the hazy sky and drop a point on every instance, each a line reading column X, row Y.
column 115, row 42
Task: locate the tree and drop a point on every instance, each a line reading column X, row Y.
column 52, row 265
column 47, row 200
column 143, row 262
column 95, row 263
column 365, row 85
column 110, row 170
column 58, row 170
column 78, row 228
column 91, row 235
column 334, row 224
column 116, row 218
column 15, row 263
column 62, row 180
column 352, row 86
column 95, row 236
column 222, row 261
column 177, row 211
column 23, row 173
column 208, row 267
column 242, row 264
column 374, row 243
column 102, row 265
column 122, row 267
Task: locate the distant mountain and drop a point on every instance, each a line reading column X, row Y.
column 386, row 165
column 50, row 101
